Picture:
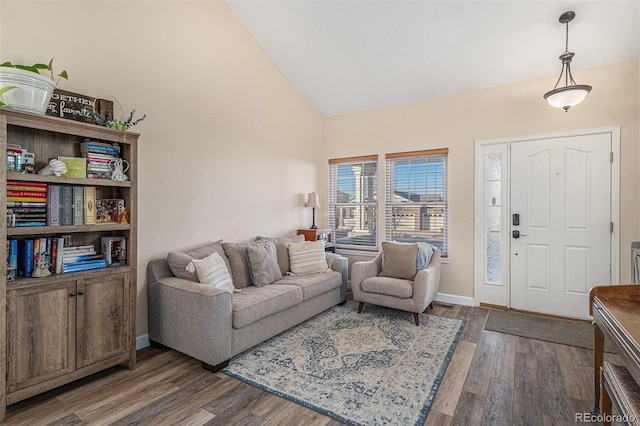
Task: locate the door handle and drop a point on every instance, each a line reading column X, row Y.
column 517, row 234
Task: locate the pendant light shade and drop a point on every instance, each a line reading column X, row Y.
column 571, row 93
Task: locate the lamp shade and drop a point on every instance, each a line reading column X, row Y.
column 568, row 96
column 313, row 200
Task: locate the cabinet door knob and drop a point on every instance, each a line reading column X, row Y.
column 72, row 294
column 81, row 292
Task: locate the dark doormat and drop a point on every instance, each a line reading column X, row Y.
column 565, row 332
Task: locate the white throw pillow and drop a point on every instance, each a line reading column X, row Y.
column 212, row 271
column 307, row 257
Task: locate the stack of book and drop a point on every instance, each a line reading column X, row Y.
column 99, row 155
column 26, row 203
column 71, row 205
column 81, row 258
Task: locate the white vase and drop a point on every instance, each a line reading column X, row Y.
column 32, row 93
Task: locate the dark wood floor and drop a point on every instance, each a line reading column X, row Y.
column 493, row 379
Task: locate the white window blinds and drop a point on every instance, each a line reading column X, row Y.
column 416, row 192
column 353, row 202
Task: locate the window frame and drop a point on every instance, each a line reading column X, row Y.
column 390, row 203
column 333, row 201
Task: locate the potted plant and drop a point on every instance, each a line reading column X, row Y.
column 23, row 87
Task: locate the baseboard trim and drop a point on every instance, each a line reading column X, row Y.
column 455, row 299
column 142, row 342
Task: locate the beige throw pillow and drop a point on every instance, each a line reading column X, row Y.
column 307, row 257
column 263, row 263
column 399, row 261
column 212, row 271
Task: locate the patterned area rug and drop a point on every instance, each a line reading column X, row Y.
column 371, row 368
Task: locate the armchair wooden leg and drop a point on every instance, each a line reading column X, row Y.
column 360, row 307
column 416, row 317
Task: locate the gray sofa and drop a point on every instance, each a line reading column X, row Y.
column 212, row 326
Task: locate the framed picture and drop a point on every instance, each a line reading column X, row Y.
column 109, row 210
column 114, row 250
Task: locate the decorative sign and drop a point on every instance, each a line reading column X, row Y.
column 75, row 106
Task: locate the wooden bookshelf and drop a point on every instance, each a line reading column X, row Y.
column 63, row 327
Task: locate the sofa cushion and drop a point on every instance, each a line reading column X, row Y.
column 255, row 303
column 212, row 271
column 178, row 261
column 282, row 250
column 263, row 263
column 402, row 289
column 314, row 284
column 399, row 260
column 307, row 257
column 237, row 255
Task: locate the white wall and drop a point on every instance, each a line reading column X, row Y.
column 229, row 147
column 456, row 121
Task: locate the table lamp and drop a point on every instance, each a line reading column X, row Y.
column 313, row 201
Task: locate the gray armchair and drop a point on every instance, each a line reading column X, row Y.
column 406, row 295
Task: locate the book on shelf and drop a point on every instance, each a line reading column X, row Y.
column 35, row 194
column 28, row 224
column 31, row 217
column 80, row 258
column 54, row 254
column 27, row 200
column 70, row 256
column 76, row 167
column 12, row 259
column 32, row 186
column 75, row 249
column 78, row 205
column 114, row 250
column 59, row 251
column 109, row 210
column 81, row 266
column 95, row 147
column 25, row 257
column 66, row 206
column 28, row 210
column 53, row 205
column 22, row 186
column 89, row 205
column 12, row 204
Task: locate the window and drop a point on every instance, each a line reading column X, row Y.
column 353, row 202
column 416, row 188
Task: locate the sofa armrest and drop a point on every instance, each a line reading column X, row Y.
column 363, row 270
column 192, row 318
column 340, row 264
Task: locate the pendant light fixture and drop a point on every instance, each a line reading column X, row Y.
column 571, row 94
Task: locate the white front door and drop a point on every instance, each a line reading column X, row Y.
column 561, row 192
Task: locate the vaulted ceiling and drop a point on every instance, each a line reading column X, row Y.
column 347, row 56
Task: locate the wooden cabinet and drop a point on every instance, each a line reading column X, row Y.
column 63, row 327
column 41, row 338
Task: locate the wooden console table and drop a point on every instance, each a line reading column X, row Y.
column 616, row 316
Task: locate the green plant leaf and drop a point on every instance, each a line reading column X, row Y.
column 42, row 66
column 6, row 64
column 64, row 75
column 4, row 90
